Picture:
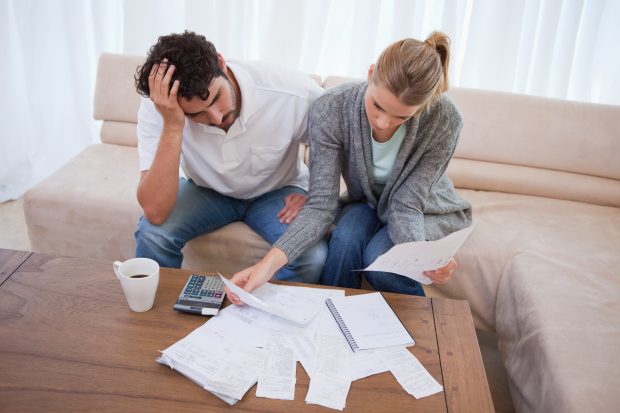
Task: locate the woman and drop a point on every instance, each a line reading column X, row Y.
column 391, row 138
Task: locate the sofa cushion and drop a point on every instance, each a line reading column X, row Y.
column 558, row 321
column 88, row 208
column 509, row 223
column 501, row 177
column 227, row 250
column 119, row 133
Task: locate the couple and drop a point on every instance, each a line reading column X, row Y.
column 235, row 129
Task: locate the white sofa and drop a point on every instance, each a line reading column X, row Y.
column 541, row 267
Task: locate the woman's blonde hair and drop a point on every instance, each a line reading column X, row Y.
column 415, row 71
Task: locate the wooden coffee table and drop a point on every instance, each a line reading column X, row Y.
column 68, row 342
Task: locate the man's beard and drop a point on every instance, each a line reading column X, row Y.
column 233, row 95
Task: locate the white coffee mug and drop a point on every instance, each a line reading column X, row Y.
column 139, row 278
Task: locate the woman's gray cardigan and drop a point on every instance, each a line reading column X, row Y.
column 418, row 202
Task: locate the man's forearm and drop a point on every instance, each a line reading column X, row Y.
column 157, row 191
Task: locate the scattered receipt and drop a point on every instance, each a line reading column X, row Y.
column 409, row 372
column 277, row 377
column 330, row 380
column 411, row 259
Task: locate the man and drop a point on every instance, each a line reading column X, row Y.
column 235, row 130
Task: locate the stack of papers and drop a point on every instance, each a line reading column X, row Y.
column 262, row 341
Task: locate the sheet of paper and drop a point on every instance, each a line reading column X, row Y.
column 304, row 350
column 330, row 380
column 329, row 391
column 299, row 304
column 226, row 355
column 278, row 376
column 225, row 366
column 245, row 296
column 251, row 325
column 291, row 303
column 193, row 376
column 411, row 259
column 409, row 372
column 371, row 322
column 332, row 356
column 362, row 364
column 327, row 326
column 365, row 363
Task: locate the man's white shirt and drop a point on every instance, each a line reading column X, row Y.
column 260, row 151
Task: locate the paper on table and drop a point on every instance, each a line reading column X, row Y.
column 277, row 378
column 368, row 322
column 224, row 366
column 366, row 363
column 193, row 376
column 409, row 372
column 329, row 391
column 283, row 301
column 304, row 350
column 299, row 304
column 252, row 326
column 362, row 364
column 330, row 381
column 411, row 259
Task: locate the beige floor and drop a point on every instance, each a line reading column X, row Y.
column 13, row 235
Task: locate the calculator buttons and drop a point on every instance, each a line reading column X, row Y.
column 201, row 292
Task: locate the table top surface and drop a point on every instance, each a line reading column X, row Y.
column 70, row 342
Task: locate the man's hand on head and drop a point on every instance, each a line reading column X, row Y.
column 293, row 203
column 165, row 97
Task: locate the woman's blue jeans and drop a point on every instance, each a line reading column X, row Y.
column 358, row 239
column 201, row 210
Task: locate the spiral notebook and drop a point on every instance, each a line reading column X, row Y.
column 367, row 321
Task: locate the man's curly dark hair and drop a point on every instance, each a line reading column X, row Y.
column 195, row 59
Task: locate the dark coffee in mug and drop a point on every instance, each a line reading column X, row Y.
column 139, row 276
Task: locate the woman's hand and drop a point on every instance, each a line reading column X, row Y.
column 258, row 274
column 442, row 275
column 293, row 203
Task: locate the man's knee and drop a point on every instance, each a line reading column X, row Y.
column 147, row 233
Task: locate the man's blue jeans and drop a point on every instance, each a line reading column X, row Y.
column 201, row 210
column 358, row 239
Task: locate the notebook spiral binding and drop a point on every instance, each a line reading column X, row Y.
column 342, row 325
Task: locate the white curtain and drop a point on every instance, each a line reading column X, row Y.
column 564, row 49
column 49, row 51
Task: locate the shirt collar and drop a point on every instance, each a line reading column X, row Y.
column 249, row 95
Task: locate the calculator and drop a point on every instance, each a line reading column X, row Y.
column 202, row 294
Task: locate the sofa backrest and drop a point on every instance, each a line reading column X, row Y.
column 510, row 143
column 116, row 101
column 538, row 146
